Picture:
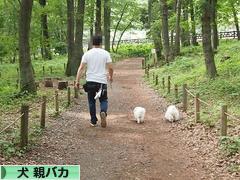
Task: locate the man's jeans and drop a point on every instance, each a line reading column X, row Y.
column 92, row 102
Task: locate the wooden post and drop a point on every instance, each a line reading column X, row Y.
column 17, row 83
column 68, row 96
column 176, row 91
column 197, row 108
column 142, row 63
column 24, row 126
column 51, row 70
column 56, row 102
column 76, row 92
column 156, row 82
column 145, row 67
column 148, row 68
column 145, row 63
column 43, row 70
column 155, row 59
column 185, row 98
column 153, row 76
column 224, row 121
column 163, row 82
column 169, row 84
column 17, row 72
column 43, row 111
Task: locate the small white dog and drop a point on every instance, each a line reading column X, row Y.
column 172, row 114
column 139, row 113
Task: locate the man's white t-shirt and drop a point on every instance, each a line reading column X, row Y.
column 96, row 60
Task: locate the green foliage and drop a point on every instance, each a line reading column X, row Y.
column 190, row 69
column 230, row 145
column 8, row 91
column 134, row 50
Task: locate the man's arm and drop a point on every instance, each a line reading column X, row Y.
column 79, row 73
column 110, row 71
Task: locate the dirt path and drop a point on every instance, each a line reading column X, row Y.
column 124, row 150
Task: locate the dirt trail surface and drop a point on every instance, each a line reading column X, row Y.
column 123, row 150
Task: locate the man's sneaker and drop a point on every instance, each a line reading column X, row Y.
column 103, row 119
column 93, row 125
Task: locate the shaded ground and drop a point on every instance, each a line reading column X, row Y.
column 124, row 150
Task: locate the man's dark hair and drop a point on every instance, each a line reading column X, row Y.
column 97, row 40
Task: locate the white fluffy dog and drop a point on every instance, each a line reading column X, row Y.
column 139, row 113
column 172, row 114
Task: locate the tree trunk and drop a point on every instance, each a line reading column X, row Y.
column 98, row 23
column 207, row 44
column 70, row 35
column 193, row 24
column 158, row 45
column 165, row 32
column 120, row 38
column 150, row 2
column 107, row 21
column 215, row 39
column 177, row 28
column 91, row 25
column 116, row 28
column 235, row 20
column 44, row 33
column 27, row 82
column 185, row 36
column 78, row 44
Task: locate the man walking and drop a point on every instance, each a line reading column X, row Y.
column 97, row 61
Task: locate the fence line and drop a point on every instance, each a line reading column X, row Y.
column 190, row 93
column 25, row 115
column 4, row 129
column 204, row 102
column 232, row 116
column 224, row 113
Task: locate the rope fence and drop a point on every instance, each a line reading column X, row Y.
column 11, row 124
column 168, row 83
column 40, row 106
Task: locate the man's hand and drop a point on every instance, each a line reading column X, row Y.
column 77, row 85
column 110, row 79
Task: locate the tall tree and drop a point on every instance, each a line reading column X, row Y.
column 150, row 4
column 107, row 23
column 98, row 22
column 70, row 36
column 185, row 36
column 165, row 31
column 215, row 40
column 207, row 43
column 46, row 52
column 78, row 44
column 91, row 11
column 235, row 15
column 117, row 25
column 155, row 27
column 27, row 82
column 193, row 24
column 177, row 28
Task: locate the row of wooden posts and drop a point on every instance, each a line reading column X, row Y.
column 25, row 114
column 185, row 93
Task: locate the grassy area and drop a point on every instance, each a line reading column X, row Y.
column 189, row 68
column 10, row 104
column 9, row 77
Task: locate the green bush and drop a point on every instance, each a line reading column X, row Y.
column 134, row 50
column 230, row 145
